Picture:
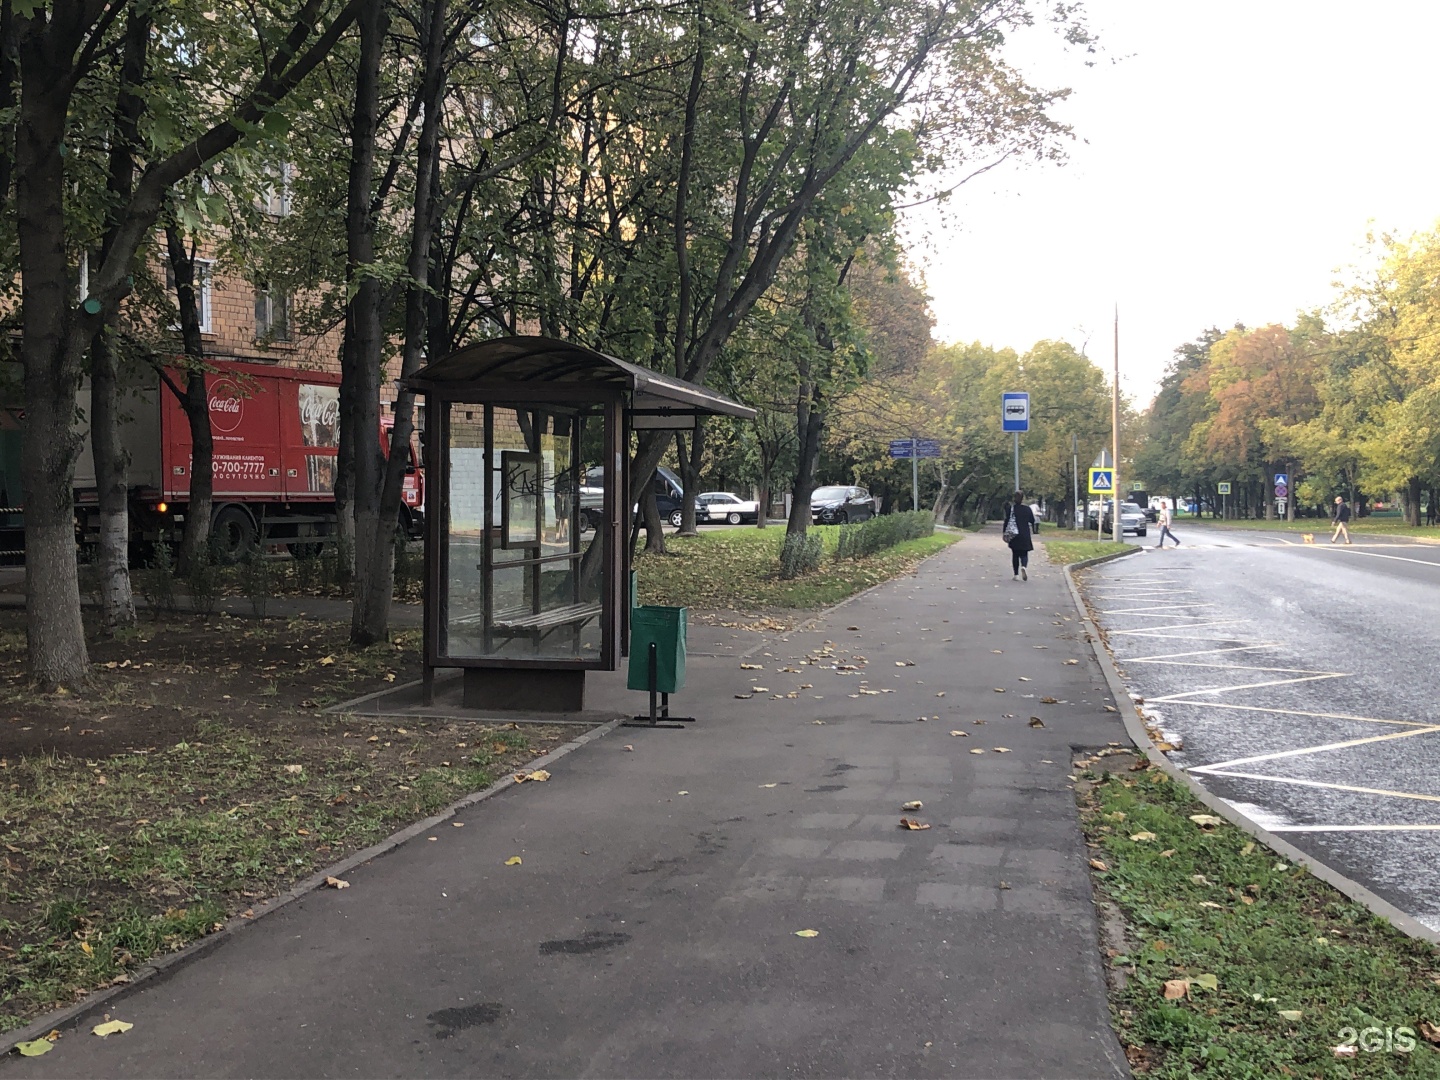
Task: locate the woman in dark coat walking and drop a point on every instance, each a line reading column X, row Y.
column 1017, row 530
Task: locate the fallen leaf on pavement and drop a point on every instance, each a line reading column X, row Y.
column 627, row 746
column 767, row 785
column 912, row 824
column 913, row 804
column 457, row 824
column 744, row 697
column 999, row 689
column 1035, row 721
column 752, row 667
column 337, row 883
column 1054, row 701
column 682, row 793
column 961, row 734
column 761, row 689
column 513, row 860
column 977, row 750
column 35, row 1048
column 539, row 776
column 1176, row 988
column 111, row 1027
column 1072, row 662
column 1024, row 679
column 940, row 694
column 1108, row 708
column 807, row 933
column 1002, row 750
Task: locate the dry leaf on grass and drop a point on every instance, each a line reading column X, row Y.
column 337, row 883
column 1096, row 864
column 326, row 661
column 1206, row 821
column 294, row 768
column 1176, row 989
column 1142, row 837
column 913, row 825
column 1429, row 1032
column 1347, row 1051
column 1291, row 1014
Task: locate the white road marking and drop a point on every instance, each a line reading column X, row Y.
column 1353, row 828
column 1153, row 631
column 1233, row 667
column 1398, row 558
column 1332, row 787
column 1304, row 750
column 1180, row 698
column 1297, row 712
column 1199, row 652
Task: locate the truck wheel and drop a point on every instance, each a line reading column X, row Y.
column 232, row 535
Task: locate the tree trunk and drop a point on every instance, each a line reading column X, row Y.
column 51, row 349
column 361, row 361
column 375, row 585
column 195, row 400
column 117, row 605
column 654, row 527
column 1412, row 501
column 809, row 429
column 690, row 475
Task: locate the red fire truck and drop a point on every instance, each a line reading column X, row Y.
column 276, row 432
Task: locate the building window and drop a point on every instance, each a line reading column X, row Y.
column 276, row 199
column 272, row 315
column 203, row 274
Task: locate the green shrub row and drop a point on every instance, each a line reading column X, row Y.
column 885, row 531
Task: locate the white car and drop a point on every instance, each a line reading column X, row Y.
column 713, row 507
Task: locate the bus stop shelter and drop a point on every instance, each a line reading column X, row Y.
column 523, row 591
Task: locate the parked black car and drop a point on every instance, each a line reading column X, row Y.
column 837, row 505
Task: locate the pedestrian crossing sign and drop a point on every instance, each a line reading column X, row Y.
column 1102, row 481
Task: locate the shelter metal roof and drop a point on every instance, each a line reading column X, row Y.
column 516, row 361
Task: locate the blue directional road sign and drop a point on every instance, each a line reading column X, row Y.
column 914, row 448
column 1015, row 412
column 1102, row 481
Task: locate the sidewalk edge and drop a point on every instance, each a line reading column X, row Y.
column 1135, row 728
column 147, row 972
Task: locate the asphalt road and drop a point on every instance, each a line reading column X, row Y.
column 1299, row 681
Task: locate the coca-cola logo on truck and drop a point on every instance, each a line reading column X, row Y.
column 319, row 415
column 227, row 406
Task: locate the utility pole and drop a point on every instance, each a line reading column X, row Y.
column 1075, row 474
column 1115, row 435
column 914, row 473
column 1017, row 462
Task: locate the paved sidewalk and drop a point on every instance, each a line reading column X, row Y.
column 650, row 929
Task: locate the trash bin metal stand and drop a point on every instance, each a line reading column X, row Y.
column 662, row 718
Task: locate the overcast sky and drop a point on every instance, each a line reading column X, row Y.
column 1230, row 157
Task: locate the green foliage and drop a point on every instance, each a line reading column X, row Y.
column 800, row 554
column 257, row 578
column 885, row 531
column 157, row 582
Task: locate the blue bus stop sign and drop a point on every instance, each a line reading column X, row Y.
column 1015, row 412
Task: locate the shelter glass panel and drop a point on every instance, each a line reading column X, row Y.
column 526, row 571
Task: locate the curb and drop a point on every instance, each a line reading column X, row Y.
column 149, row 971
column 1135, row 728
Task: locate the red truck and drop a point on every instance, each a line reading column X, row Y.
column 276, row 433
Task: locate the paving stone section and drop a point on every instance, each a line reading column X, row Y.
column 650, row 928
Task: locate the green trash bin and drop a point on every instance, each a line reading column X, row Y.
column 664, row 627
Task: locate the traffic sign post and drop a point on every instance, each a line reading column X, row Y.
column 914, row 449
column 1223, row 487
column 1015, row 417
column 1102, row 482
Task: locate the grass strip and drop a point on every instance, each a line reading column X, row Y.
column 738, row 569
column 1270, row 970
column 1066, row 546
column 109, row 861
